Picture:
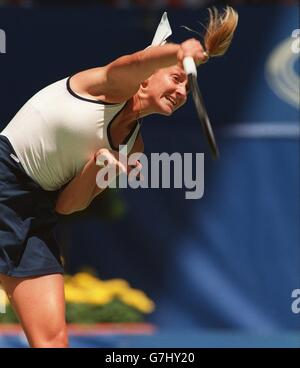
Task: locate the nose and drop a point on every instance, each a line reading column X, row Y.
column 181, row 92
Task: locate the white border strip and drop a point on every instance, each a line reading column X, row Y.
column 262, row 130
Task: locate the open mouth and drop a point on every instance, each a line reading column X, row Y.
column 171, row 100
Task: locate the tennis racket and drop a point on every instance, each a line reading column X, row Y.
column 191, row 71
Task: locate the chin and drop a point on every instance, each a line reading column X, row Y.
column 165, row 113
column 165, row 110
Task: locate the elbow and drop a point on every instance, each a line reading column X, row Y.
column 63, row 212
column 67, row 209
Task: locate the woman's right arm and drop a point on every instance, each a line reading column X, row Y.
column 120, row 80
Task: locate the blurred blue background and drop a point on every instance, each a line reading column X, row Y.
column 231, row 259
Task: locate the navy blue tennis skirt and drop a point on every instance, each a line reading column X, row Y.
column 28, row 245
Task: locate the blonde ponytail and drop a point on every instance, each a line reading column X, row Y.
column 220, row 30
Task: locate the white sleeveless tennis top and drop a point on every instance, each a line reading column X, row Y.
column 55, row 133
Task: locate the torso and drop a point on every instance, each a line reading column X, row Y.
column 119, row 129
column 56, row 132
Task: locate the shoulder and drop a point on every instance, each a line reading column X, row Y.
column 97, row 84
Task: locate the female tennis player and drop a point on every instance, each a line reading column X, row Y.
column 47, row 162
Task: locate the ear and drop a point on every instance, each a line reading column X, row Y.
column 144, row 85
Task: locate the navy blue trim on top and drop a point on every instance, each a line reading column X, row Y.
column 84, row 98
column 109, row 124
column 125, row 141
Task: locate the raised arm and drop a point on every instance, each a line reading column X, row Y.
column 120, row 80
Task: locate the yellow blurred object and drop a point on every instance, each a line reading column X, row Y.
column 85, row 280
column 3, row 297
column 117, row 286
column 86, row 288
column 138, row 299
column 90, row 296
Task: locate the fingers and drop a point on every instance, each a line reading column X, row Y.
column 203, row 58
column 105, row 157
column 193, row 48
column 137, row 167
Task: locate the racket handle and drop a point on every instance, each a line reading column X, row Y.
column 189, row 66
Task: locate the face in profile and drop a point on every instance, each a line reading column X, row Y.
column 167, row 90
